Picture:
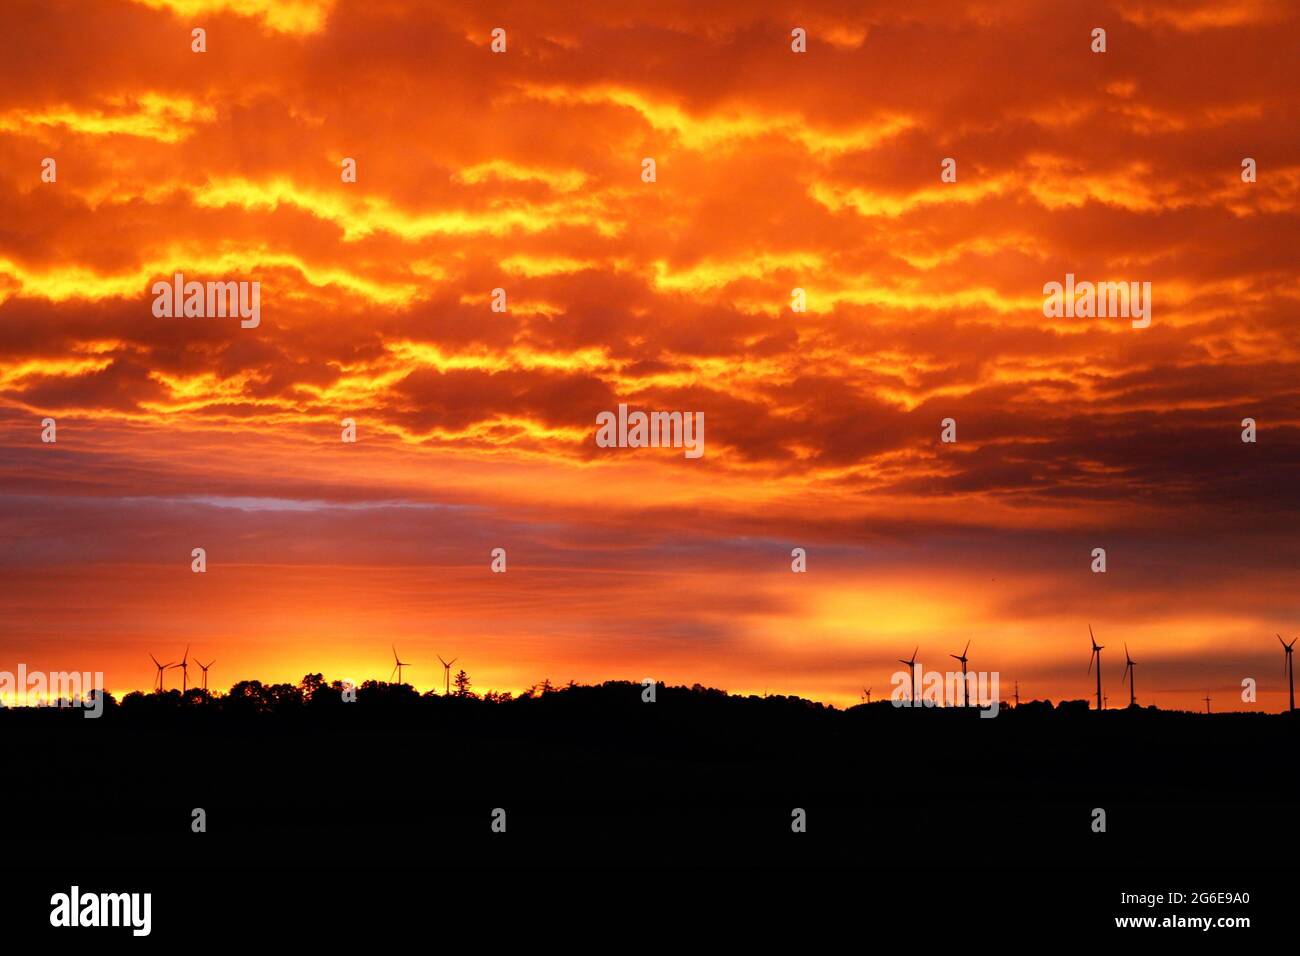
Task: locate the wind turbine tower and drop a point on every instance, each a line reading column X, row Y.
column 185, row 673
column 1290, row 667
column 397, row 668
column 1096, row 653
column 965, row 687
column 446, row 676
column 158, row 680
column 911, row 667
column 1131, row 676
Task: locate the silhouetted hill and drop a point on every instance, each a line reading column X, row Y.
column 593, row 772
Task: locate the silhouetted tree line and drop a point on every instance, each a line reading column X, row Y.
column 314, row 695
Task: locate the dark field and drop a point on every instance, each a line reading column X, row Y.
column 594, row 777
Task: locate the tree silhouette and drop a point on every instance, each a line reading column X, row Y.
column 97, row 693
column 462, row 684
column 310, row 684
column 248, row 696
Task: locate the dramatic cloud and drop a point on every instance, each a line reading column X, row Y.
column 775, row 171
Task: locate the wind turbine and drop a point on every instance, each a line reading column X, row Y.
column 911, row 667
column 1096, row 652
column 204, row 668
column 1017, row 693
column 1206, row 698
column 1131, row 676
column 1290, row 666
column 965, row 687
column 185, row 673
column 446, row 674
column 397, row 669
column 158, row 681
column 866, row 694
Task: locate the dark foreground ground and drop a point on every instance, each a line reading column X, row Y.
column 688, row 796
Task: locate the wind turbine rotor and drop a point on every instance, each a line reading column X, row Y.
column 1095, row 645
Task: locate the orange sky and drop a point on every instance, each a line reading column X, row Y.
column 476, row 429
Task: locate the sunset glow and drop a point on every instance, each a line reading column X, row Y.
column 476, row 429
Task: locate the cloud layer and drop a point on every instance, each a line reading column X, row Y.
column 775, row 171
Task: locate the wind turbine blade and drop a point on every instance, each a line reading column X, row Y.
column 964, row 650
column 452, row 661
column 392, row 672
column 1280, row 641
column 156, row 664
column 1090, row 657
column 954, row 657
